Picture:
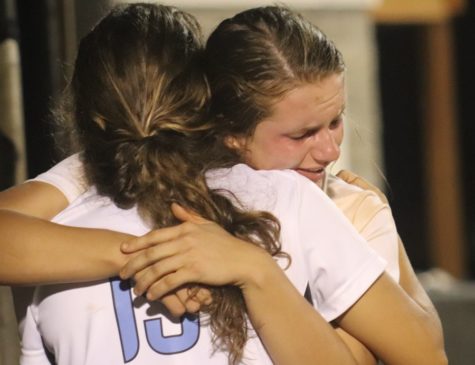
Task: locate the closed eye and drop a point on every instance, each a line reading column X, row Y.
column 336, row 123
column 304, row 135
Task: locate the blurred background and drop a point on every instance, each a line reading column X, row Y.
column 410, row 129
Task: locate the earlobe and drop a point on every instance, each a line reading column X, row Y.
column 100, row 122
column 234, row 143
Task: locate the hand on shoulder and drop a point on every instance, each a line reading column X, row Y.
column 353, row 179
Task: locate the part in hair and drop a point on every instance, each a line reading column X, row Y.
column 254, row 58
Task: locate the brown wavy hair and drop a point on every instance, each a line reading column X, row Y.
column 255, row 58
column 139, row 99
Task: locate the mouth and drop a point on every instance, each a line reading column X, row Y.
column 315, row 174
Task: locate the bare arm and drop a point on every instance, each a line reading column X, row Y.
column 47, row 252
column 34, row 198
column 51, row 253
column 411, row 285
column 289, row 327
column 408, row 279
column 385, row 320
column 389, row 324
column 393, row 326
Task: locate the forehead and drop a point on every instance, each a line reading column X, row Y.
column 318, row 100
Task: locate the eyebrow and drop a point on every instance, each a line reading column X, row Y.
column 314, row 129
column 342, row 110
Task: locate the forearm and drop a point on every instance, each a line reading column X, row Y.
column 393, row 327
column 33, row 198
column 36, row 251
column 411, row 285
column 290, row 328
column 359, row 351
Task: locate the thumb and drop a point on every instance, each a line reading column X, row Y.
column 186, row 215
column 356, row 180
column 347, row 176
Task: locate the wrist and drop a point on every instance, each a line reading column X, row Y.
column 261, row 271
column 104, row 247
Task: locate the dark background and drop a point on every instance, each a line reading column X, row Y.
column 400, row 65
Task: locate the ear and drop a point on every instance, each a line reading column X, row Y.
column 100, row 122
column 235, row 143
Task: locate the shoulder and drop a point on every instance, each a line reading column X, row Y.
column 241, row 173
column 359, row 206
column 262, row 189
column 67, row 176
column 95, row 211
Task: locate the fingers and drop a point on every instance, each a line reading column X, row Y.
column 174, row 305
column 203, row 296
column 356, row 180
column 188, row 300
column 185, row 215
column 169, row 241
column 168, row 283
column 152, row 238
column 348, row 177
column 200, row 295
column 151, row 273
column 146, row 259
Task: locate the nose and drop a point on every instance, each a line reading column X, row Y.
column 325, row 148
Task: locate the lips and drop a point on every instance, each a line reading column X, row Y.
column 315, row 174
column 314, row 170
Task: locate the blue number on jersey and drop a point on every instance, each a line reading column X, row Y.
column 125, row 316
column 190, row 326
column 126, row 323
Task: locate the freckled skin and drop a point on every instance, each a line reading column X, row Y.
column 304, row 131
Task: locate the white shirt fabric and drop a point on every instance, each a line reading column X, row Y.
column 103, row 323
column 367, row 213
column 67, row 176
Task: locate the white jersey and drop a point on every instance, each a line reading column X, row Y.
column 67, row 176
column 371, row 217
column 104, row 323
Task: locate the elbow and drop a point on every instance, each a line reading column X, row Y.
column 437, row 353
column 437, row 358
column 432, row 353
column 422, row 358
column 442, row 358
column 440, row 354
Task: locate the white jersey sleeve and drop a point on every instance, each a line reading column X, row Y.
column 327, row 252
column 67, row 176
column 33, row 351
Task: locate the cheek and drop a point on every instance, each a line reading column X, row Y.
column 339, row 134
column 279, row 153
